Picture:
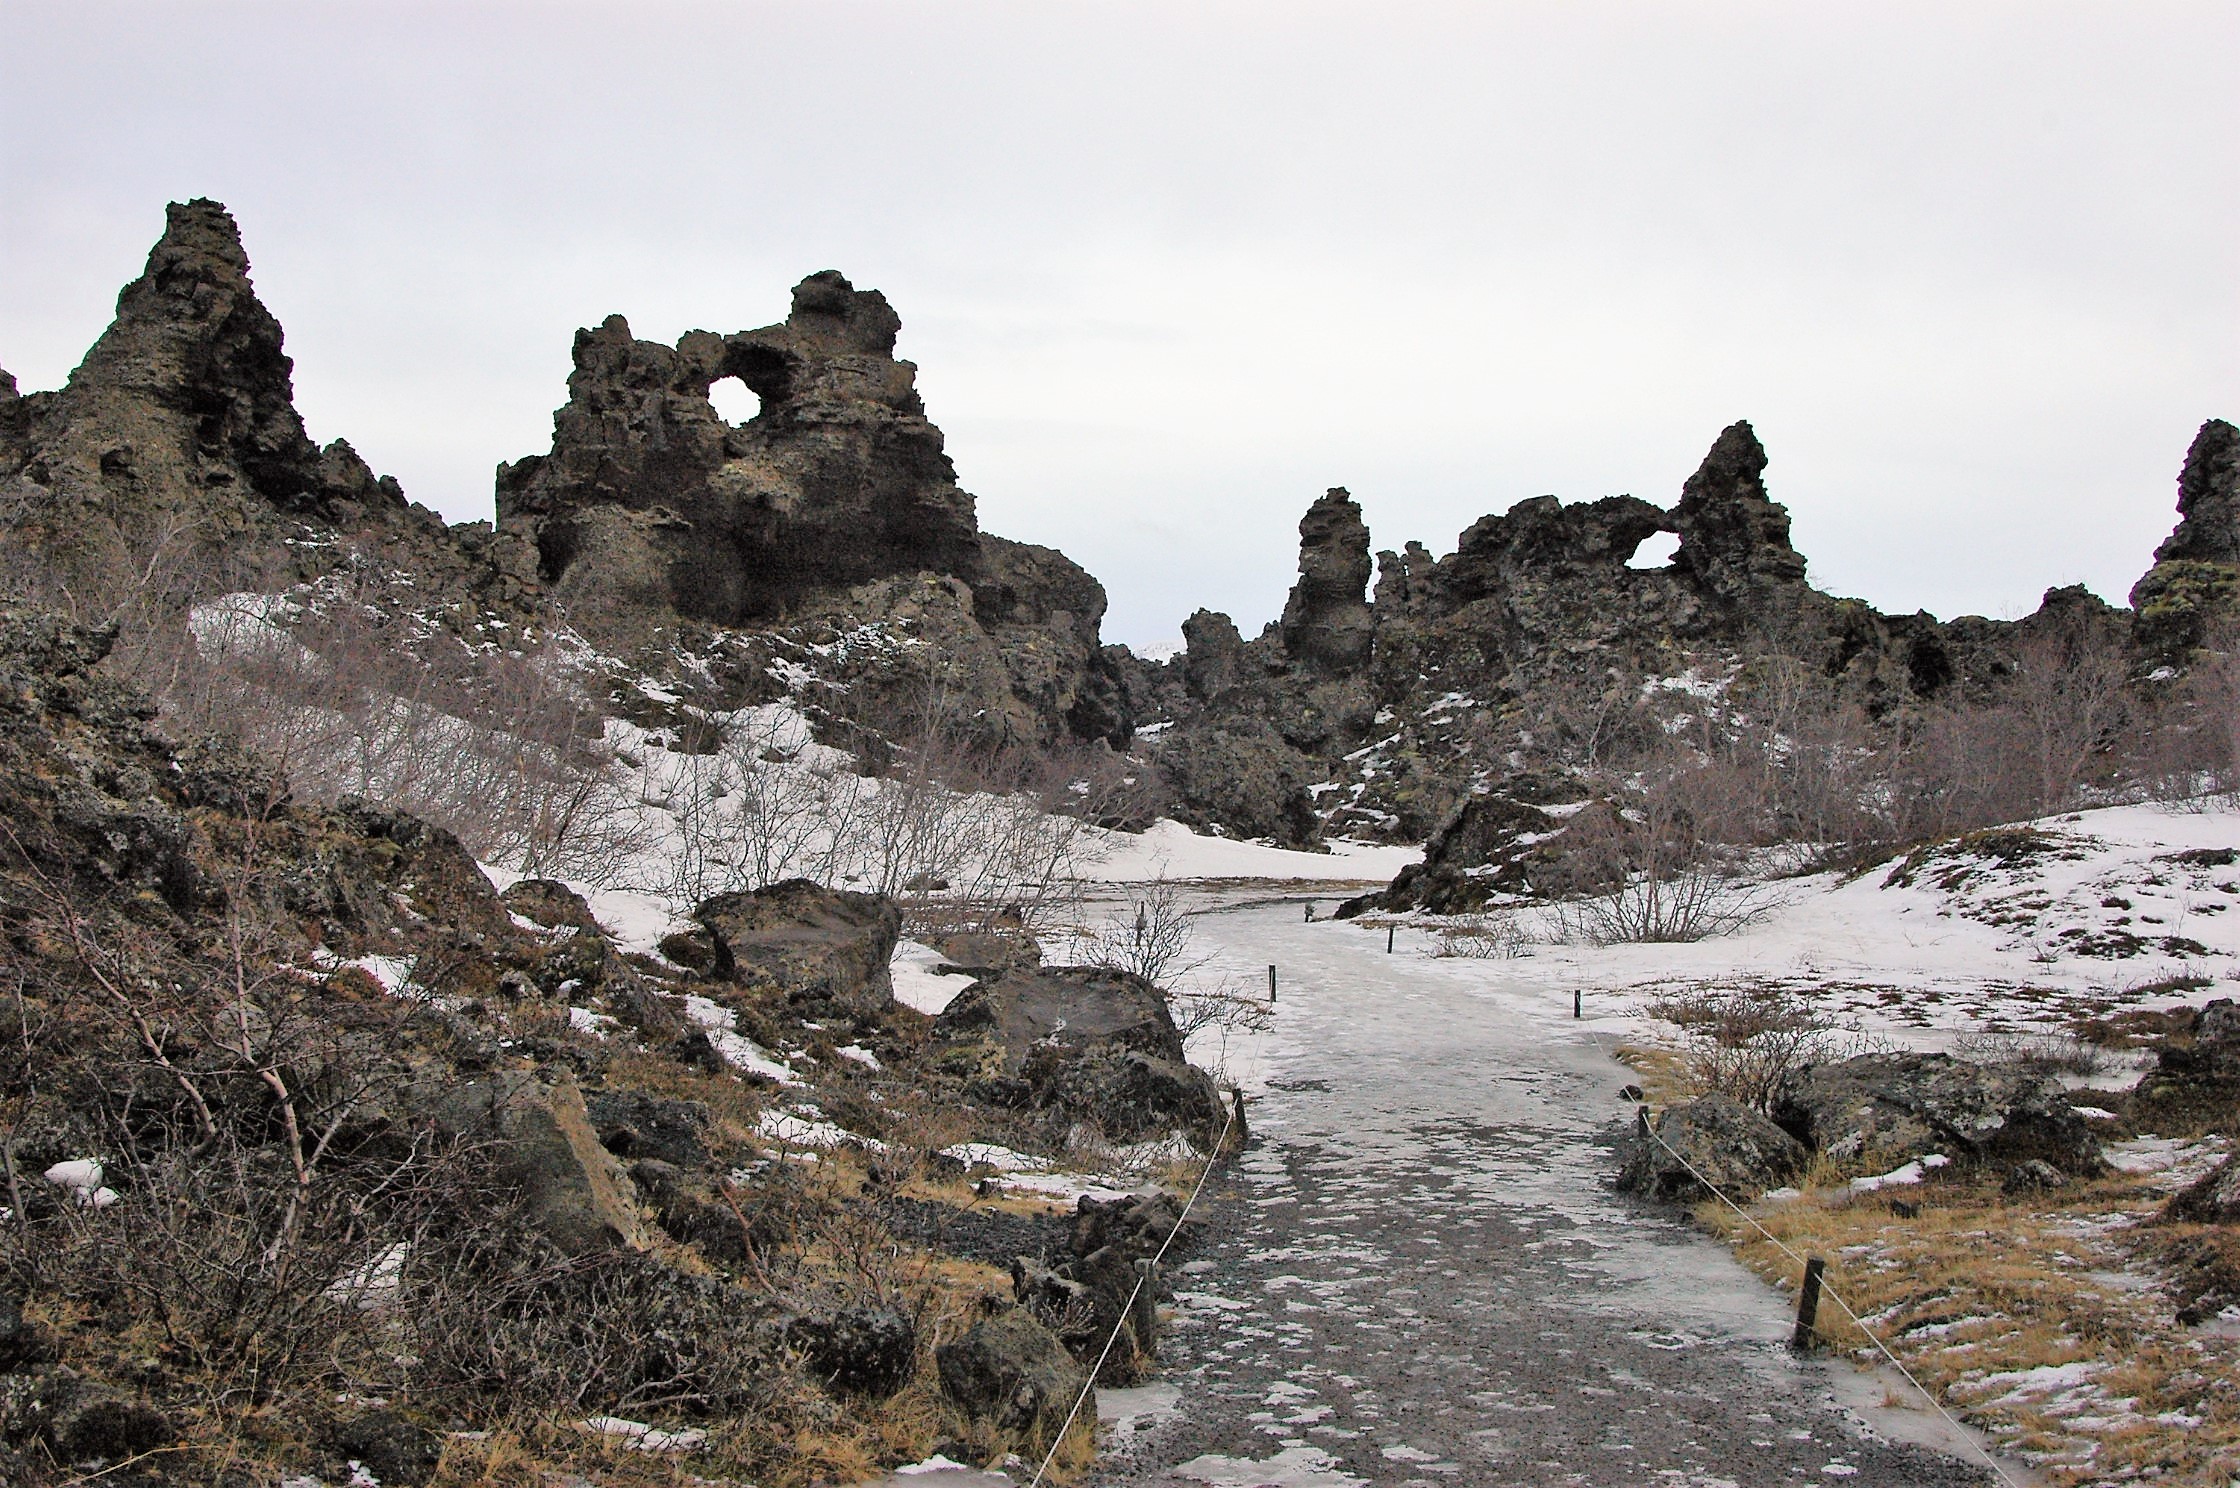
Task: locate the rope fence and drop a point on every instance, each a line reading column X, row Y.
column 1814, row 1270
column 1144, row 1278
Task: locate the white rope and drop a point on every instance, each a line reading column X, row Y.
column 1228, row 1121
column 1829, row 1290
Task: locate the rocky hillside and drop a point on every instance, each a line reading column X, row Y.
column 325, row 1158
column 173, row 467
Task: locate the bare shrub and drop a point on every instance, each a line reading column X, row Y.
column 1486, row 937
column 1742, row 1043
column 1148, row 936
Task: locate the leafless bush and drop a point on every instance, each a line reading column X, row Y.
column 1149, row 935
column 1487, row 937
column 1742, row 1043
column 2047, row 1053
column 1226, row 1007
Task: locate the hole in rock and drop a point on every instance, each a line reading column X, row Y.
column 1656, row 550
column 735, row 402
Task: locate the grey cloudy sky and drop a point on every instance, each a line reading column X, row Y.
column 1169, row 270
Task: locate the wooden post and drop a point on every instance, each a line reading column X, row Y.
column 1808, row 1305
column 1143, row 1316
column 1389, row 932
column 1271, row 984
column 1576, row 1003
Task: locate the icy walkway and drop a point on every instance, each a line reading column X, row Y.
column 1421, row 1275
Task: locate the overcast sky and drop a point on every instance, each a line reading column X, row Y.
column 1170, row 270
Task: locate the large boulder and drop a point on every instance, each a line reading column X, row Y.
column 858, row 1350
column 543, row 1145
column 2214, row 1198
column 824, row 949
column 1012, row 1376
column 1891, row 1107
column 1068, row 1007
column 1128, row 1094
column 2195, row 1084
column 1716, row 1139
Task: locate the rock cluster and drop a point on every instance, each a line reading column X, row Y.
column 1874, row 1110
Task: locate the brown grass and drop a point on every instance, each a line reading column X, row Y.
column 1980, row 1285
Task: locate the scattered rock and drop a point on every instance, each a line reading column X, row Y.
column 1011, row 1374
column 398, row 1452
column 1728, row 1143
column 577, row 1194
column 2033, row 1175
column 859, row 1350
column 1890, row 1107
column 23, row 1343
column 2214, row 1198
column 92, row 1421
column 634, row 1124
column 824, row 949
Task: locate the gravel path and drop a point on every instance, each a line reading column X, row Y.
column 1422, row 1276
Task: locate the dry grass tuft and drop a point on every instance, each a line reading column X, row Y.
column 2045, row 1321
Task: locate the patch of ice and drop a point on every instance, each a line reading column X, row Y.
column 1293, row 1467
column 82, row 1177
column 1911, row 1172
column 584, row 1020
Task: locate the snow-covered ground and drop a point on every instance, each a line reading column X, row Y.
column 2078, row 915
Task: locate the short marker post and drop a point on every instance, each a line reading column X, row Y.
column 1271, row 984
column 1808, row 1305
column 1577, row 1003
column 1389, row 932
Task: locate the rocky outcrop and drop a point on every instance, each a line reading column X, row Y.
column 822, row 949
column 175, row 448
column 1328, row 626
column 2194, row 585
column 836, row 504
column 838, row 480
column 1717, row 1140
column 1892, row 1107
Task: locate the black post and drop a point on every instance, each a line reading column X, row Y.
column 1389, row 932
column 1576, row 1003
column 1808, row 1304
column 1143, row 1317
column 1271, row 984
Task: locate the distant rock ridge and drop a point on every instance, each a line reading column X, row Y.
column 1374, row 716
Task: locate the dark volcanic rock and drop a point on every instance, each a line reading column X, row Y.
column 823, row 948
column 1890, row 1107
column 391, row 1447
column 839, row 479
column 1724, row 1141
column 179, row 431
column 1327, row 623
column 859, row 1350
column 1011, row 1374
column 2195, row 582
column 1069, row 1007
column 2212, row 1199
